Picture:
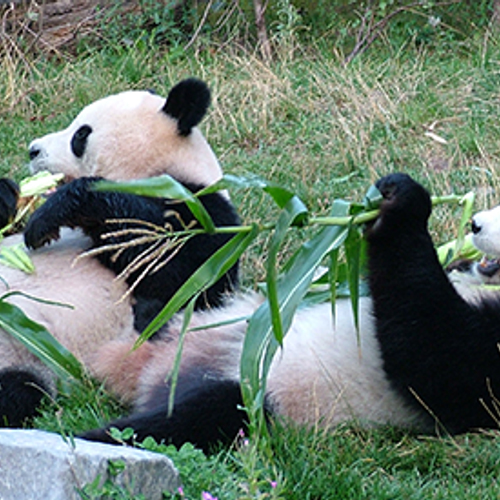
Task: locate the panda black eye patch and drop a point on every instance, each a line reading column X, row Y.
column 79, row 140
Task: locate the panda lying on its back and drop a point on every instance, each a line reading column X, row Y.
column 129, row 136
column 429, row 359
column 126, row 136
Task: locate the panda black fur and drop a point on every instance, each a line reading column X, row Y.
column 126, row 136
column 428, row 359
column 439, row 350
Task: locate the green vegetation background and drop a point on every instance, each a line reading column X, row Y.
column 424, row 98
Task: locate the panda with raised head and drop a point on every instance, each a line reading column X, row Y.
column 126, row 136
column 426, row 358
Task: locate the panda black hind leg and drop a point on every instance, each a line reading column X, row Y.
column 439, row 351
column 207, row 414
column 21, row 393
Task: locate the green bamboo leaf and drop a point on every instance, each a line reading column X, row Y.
column 204, row 277
column 39, row 183
column 467, row 204
column 174, row 374
column 16, row 256
column 39, row 342
column 352, row 247
column 293, row 209
column 333, row 270
column 260, row 344
column 230, row 181
column 340, row 208
column 279, row 194
column 447, row 252
column 163, row 186
column 372, row 199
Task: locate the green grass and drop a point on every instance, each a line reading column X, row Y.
column 324, row 131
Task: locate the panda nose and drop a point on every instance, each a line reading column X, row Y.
column 475, row 227
column 34, row 151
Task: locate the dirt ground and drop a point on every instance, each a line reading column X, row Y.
column 54, row 24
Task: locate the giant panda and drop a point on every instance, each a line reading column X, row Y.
column 426, row 357
column 130, row 135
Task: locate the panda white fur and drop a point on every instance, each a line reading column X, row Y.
column 426, row 359
column 130, row 135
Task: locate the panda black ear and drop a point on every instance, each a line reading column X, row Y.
column 188, row 102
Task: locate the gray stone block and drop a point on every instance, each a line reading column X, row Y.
column 41, row 465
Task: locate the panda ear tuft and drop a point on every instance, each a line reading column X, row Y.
column 188, row 102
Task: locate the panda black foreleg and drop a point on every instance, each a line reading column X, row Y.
column 439, row 351
column 9, row 194
column 207, row 415
column 77, row 205
column 21, row 393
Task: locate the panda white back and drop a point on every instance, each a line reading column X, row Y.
column 325, row 374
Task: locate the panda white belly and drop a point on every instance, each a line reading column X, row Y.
column 95, row 316
column 327, row 374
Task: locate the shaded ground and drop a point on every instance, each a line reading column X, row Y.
column 53, row 24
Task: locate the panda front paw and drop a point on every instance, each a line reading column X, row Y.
column 405, row 203
column 40, row 231
column 68, row 207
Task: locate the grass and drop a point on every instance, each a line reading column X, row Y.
column 325, row 131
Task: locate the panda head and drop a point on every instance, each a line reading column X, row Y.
column 486, row 231
column 486, row 238
column 134, row 134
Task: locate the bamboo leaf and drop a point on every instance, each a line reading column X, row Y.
column 39, row 342
column 333, row 269
column 293, row 209
column 16, row 256
column 352, row 247
column 174, row 374
column 372, row 198
column 467, row 203
column 447, row 252
column 163, row 186
column 260, row 344
column 39, row 183
column 204, row 277
column 279, row 194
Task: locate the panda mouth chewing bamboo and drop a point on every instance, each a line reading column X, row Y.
column 488, row 266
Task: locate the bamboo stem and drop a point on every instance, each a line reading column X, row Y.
column 361, row 218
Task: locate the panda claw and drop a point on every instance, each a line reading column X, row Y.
column 33, row 242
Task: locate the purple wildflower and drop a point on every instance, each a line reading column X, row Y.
column 205, row 495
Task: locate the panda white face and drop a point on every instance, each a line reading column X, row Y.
column 486, row 231
column 128, row 136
